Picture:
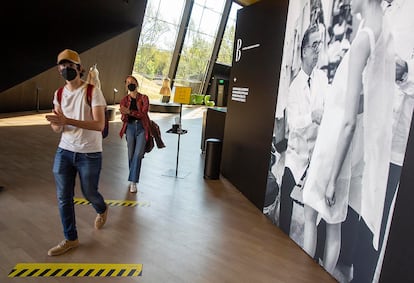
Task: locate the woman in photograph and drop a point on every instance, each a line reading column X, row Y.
column 345, row 150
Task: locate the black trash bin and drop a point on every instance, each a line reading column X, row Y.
column 212, row 158
column 111, row 112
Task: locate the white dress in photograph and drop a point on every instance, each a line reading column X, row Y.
column 371, row 141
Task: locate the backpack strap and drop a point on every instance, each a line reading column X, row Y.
column 89, row 94
column 59, row 94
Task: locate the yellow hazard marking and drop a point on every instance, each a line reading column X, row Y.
column 128, row 203
column 75, row 270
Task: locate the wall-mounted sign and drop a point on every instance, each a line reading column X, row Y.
column 240, row 48
column 239, row 93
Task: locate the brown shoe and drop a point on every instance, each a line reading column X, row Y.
column 101, row 219
column 63, row 247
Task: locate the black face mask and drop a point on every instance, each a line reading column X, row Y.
column 132, row 87
column 69, row 74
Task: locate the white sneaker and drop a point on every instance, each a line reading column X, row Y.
column 133, row 188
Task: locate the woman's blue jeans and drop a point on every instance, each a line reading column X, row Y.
column 65, row 168
column 135, row 137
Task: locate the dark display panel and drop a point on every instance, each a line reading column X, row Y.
column 252, row 97
column 343, row 115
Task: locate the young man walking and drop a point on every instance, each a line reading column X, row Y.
column 80, row 120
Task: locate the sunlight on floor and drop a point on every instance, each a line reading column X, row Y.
column 34, row 118
column 23, row 119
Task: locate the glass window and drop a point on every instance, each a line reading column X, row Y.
column 195, row 18
column 199, row 43
column 171, row 11
column 158, row 39
column 215, row 5
column 225, row 55
column 208, row 18
column 156, row 44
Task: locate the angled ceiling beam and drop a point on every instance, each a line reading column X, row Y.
column 245, row 2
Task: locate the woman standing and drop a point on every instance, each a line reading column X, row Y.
column 134, row 110
column 356, row 126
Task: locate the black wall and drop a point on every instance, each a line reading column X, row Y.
column 249, row 125
column 399, row 255
column 33, row 32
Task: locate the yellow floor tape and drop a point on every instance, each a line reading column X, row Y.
column 128, row 203
column 75, row 270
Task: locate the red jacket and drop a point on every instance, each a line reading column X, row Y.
column 142, row 113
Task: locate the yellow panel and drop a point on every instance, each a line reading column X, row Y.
column 129, row 203
column 75, row 270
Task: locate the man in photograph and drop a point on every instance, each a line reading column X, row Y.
column 304, row 111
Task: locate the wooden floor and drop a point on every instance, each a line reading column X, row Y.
column 184, row 229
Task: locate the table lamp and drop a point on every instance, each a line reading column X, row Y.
column 165, row 90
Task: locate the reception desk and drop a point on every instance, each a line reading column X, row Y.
column 164, row 107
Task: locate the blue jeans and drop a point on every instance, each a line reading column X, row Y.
column 65, row 168
column 135, row 137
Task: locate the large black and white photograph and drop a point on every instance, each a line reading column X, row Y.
column 343, row 116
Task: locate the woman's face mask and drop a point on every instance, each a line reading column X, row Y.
column 132, row 87
column 69, row 73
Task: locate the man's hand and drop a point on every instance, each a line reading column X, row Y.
column 317, row 116
column 57, row 118
column 401, row 68
column 330, row 194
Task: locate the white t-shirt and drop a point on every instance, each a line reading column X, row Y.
column 74, row 105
